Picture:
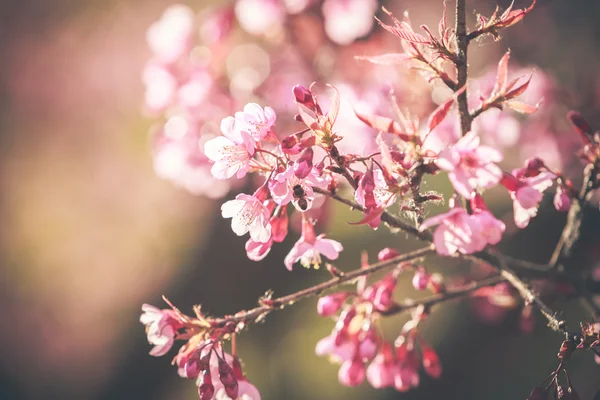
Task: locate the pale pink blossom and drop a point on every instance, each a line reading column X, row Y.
column 381, row 372
column 309, row 248
column 490, row 228
column 248, row 214
column 161, row 87
column 178, row 157
column 526, row 194
column 457, row 232
column 374, row 195
column 161, row 326
column 259, row 17
column 347, row 20
column 256, row 251
column 287, row 187
column 170, row 37
column 352, row 372
column 470, row 165
column 257, row 121
column 339, row 350
column 231, row 152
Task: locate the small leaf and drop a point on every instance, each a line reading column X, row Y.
column 404, row 33
column 510, row 18
column 581, row 126
column 502, row 74
column 383, row 124
column 386, row 59
column 521, row 107
column 335, row 105
column 519, row 90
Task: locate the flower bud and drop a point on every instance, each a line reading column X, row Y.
column 436, row 283
column 279, row 225
column 206, row 390
column 384, row 296
column 192, row 368
column 562, row 201
column 352, row 373
column 380, row 374
column 421, row 279
column 291, row 145
column 329, row 305
column 303, row 96
column 387, row 254
column 534, row 165
column 431, row 362
column 303, row 165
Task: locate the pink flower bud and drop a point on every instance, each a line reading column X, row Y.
column 291, row 145
column 436, row 283
column 303, row 96
column 534, row 165
column 384, row 296
column 192, row 368
column 405, row 378
column 387, row 254
column 206, row 390
column 380, row 374
column 431, row 362
column 421, row 279
column 352, row 373
column 562, row 201
column 279, row 226
column 329, row 305
column 226, row 373
column 303, row 165
column 509, row 182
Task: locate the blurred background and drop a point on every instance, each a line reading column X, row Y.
column 89, row 232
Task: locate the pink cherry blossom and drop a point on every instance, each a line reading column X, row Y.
column 339, row 350
column 178, row 157
column 248, row 214
column 161, row 86
column 170, row 37
column 469, row 165
column 352, row 372
column 259, row 17
column 308, row 248
column 526, row 194
column 256, row 251
column 457, row 232
column 256, row 120
column 491, row 228
column 231, row 152
column 347, row 20
column 374, row 195
column 161, row 326
column 381, row 372
column 287, row 187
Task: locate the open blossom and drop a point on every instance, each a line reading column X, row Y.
column 178, row 157
column 231, row 152
column 170, row 37
column 308, row 248
column 248, row 214
column 256, row 120
column 490, row 228
column 457, row 232
column 526, row 194
column 287, row 187
column 161, row 326
column 374, row 195
column 469, row 165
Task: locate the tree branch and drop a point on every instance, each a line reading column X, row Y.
column 261, row 311
column 462, row 44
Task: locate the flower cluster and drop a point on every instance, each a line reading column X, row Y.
column 355, row 340
column 354, row 152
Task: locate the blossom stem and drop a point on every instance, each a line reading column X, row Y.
column 572, row 228
column 445, row 296
column 267, row 306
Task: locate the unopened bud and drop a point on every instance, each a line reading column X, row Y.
column 303, row 96
column 421, row 279
column 206, row 390
column 436, row 283
column 329, row 305
column 431, row 362
column 352, row 373
column 534, row 165
column 562, row 201
column 387, row 254
column 303, row 165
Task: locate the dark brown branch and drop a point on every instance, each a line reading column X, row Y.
column 462, row 44
column 279, row 303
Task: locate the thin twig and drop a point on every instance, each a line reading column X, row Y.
column 571, row 231
column 279, row 303
column 462, row 44
column 445, row 296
